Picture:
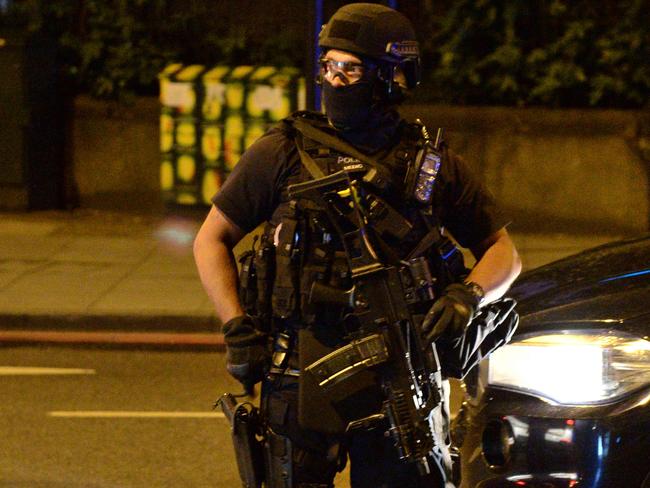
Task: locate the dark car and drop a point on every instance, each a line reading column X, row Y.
column 567, row 402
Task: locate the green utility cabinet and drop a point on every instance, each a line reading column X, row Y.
column 210, row 115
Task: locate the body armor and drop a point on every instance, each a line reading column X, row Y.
column 348, row 265
column 298, row 249
column 297, row 276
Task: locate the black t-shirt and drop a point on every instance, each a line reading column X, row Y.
column 253, row 190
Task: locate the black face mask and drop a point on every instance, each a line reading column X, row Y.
column 360, row 119
column 348, row 107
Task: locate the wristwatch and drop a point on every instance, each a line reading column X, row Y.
column 476, row 290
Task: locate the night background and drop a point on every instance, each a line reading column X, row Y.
column 495, row 52
column 110, row 351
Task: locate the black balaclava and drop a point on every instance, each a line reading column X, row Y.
column 366, row 115
column 359, row 115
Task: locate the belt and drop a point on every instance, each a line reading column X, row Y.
column 275, row 371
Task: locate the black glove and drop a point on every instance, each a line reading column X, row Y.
column 452, row 312
column 247, row 351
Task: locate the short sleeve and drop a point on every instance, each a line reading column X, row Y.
column 466, row 207
column 252, row 191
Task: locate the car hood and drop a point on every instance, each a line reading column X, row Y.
column 598, row 288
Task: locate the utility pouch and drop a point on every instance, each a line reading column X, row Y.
column 265, row 273
column 284, row 300
column 387, row 221
column 248, row 282
column 311, row 274
column 244, row 423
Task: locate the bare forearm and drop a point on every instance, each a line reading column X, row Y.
column 218, row 274
column 497, row 268
column 216, row 264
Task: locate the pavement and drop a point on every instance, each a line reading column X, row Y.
column 128, row 279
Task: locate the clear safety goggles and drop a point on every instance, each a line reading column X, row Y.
column 349, row 72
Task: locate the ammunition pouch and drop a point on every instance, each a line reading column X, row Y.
column 265, row 274
column 256, row 275
column 248, row 288
column 311, row 274
column 284, row 301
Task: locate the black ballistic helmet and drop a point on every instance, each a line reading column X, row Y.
column 378, row 32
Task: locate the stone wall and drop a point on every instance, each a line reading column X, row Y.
column 116, row 154
column 586, row 170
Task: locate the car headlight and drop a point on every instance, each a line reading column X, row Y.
column 572, row 368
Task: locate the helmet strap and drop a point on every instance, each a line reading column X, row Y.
column 389, row 90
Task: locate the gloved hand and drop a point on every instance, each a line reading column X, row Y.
column 451, row 313
column 247, row 350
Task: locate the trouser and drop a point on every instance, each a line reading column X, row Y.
column 310, row 458
column 317, row 457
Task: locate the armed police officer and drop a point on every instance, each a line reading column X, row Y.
column 354, row 305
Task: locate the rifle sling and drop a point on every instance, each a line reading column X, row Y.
column 308, row 162
column 332, row 142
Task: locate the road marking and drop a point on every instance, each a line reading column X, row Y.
column 107, row 414
column 33, row 371
column 209, row 340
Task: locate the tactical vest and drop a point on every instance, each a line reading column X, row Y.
column 296, row 279
column 299, row 247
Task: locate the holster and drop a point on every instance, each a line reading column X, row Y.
column 245, row 423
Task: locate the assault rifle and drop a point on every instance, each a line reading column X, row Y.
column 387, row 339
